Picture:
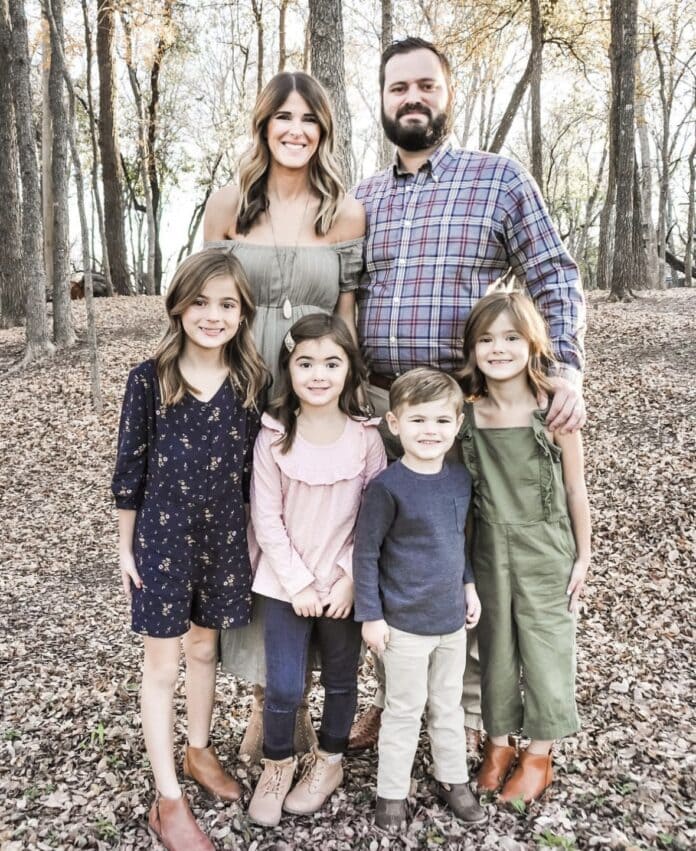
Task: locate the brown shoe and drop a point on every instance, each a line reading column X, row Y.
column 390, row 814
column 203, row 766
column 462, row 801
column 473, row 741
column 497, row 760
column 266, row 805
column 320, row 778
column 172, row 822
column 251, row 748
column 533, row 774
column 305, row 738
column 365, row 731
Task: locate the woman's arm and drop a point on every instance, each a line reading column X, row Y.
column 219, row 219
column 578, row 508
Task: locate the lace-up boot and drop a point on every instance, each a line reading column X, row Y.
column 266, row 805
column 322, row 774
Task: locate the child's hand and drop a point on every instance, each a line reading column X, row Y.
column 473, row 605
column 376, row 635
column 129, row 574
column 306, row 603
column 576, row 586
column 340, row 598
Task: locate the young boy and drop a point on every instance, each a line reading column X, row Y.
column 415, row 595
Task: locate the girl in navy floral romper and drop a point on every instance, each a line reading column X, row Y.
column 181, row 482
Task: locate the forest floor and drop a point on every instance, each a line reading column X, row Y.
column 72, row 769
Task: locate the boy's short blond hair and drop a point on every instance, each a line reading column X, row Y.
column 424, row 384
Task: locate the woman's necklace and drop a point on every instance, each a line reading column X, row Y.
column 285, row 280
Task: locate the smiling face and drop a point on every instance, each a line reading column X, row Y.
column 213, row 318
column 416, row 111
column 501, row 351
column 426, row 430
column 293, row 133
column 318, row 372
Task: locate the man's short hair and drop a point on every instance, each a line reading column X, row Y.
column 408, row 45
column 424, row 384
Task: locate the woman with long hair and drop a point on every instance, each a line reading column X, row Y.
column 299, row 238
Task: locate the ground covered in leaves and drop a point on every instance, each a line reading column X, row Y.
column 72, row 771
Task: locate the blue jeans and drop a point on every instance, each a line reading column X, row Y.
column 286, row 638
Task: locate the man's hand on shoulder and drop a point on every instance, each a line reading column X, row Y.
column 567, row 412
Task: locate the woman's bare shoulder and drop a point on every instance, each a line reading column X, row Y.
column 220, row 214
column 350, row 220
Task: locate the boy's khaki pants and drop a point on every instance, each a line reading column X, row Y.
column 422, row 669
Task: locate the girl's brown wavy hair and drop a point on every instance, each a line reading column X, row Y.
column 526, row 320
column 324, row 172
column 285, row 403
column 248, row 373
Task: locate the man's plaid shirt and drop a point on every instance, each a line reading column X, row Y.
column 435, row 242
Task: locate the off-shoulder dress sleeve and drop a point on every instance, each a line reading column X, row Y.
column 350, row 264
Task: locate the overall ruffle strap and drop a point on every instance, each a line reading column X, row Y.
column 550, row 455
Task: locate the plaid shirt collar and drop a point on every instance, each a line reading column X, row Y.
column 435, row 164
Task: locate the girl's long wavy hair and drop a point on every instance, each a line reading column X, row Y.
column 324, row 172
column 285, row 403
column 248, row 373
column 526, row 320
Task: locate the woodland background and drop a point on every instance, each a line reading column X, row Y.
column 117, row 120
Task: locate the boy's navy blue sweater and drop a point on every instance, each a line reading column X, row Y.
column 409, row 559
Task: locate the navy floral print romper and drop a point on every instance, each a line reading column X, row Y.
column 186, row 469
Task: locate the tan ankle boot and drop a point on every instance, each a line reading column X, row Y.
column 251, row 748
column 172, row 822
column 321, row 775
column 305, row 735
column 533, row 774
column 203, row 766
column 266, row 805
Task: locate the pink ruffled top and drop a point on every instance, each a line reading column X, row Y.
column 304, row 506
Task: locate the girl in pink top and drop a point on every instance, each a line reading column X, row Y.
column 313, row 459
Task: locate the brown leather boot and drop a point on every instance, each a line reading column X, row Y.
column 533, row 774
column 305, row 738
column 172, row 822
column 251, row 748
column 365, row 731
column 203, row 766
column 497, row 760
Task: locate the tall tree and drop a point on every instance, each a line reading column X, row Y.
column 537, row 31
column 63, row 332
column 12, row 283
column 328, row 66
column 110, row 156
column 386, row 149
column 37, row 340
column 257, row 9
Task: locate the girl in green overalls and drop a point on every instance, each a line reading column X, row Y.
column 531, row 547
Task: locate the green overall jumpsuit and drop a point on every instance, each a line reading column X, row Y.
column 523, row 552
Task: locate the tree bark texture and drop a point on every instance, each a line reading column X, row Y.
column 690, row 220
column 257, row 9
column 537, row 32
column 623, row 45
column 46, row 152
column 63, row 332
column 282, row 46
column 12, row 283
column 512, row 107
column 386, row 149
column 37, row 341
column 111, row 161
column 653, row 269
column 328, row 66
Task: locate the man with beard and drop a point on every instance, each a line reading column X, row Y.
column 443, row 224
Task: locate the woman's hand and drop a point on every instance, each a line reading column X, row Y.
column 473, row 605
column 376, row 635
column 306, row 603
column 340, row 598
column 129, row 574
column 576, row 586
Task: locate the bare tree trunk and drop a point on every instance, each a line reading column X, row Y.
column 666, row 103
column 590, row 213
column 690, row 221
column 57, row 42
column 623, row 37
column 282, row 47
column 537, row 31
column 328, row 66
column 198, row 212
column 257, row 9
column 512, row 107
column 46, row 152
column 37, row 341
column 653, row 267
column 386, row 149
column 111, row 161
column 12, row 282
column 63, row 332
column 95, row 154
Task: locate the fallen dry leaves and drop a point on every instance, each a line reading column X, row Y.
column 73, row 773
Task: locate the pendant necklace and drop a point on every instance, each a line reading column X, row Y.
column 286, row 280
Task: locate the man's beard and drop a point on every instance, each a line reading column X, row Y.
column 417, row 137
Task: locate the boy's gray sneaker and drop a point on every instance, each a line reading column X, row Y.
column 462, row 801
column 390, row 813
